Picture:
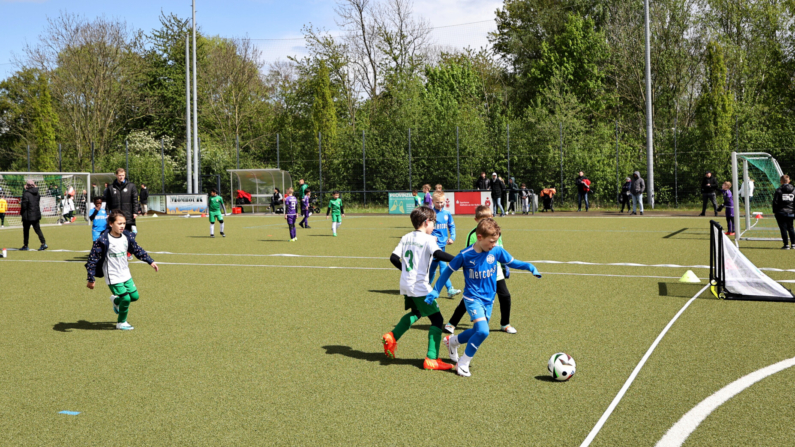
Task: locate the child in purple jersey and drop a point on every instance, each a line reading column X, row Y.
column 728, row 203
column 290, row 212
column 307, row 209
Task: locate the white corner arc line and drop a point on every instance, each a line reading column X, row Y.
column 595, row 430
column 678, row 434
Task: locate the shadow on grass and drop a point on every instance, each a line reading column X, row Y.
column 200, row 237
column 387, row 292
column 683, row 290
column 425, row 327
column 675, row 233
column 85, row 325
column 546, row 379
column 379, row 357
column 763, row 248
column 79, row 259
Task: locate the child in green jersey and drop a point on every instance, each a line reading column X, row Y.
column 337, row 212
column 216, row 203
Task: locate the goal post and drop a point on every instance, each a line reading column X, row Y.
column 755, row 178
column 733, row 277
column 52, row 186
column 259, row 184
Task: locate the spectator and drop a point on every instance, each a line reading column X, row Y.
column 513, row 195
column 482, row 183
column 3, row 209
column 144, row 198
column 709, row 186
column 784, row 210
column 637, row 189
column 497, row 188
column 277, row 199
column 583, row 188
column 301, row 192
column 30, row 212
column 625, row 196
column 750, row 186
column 122, row 195
column 524, row 193
column 548, row 199
column 439, row 188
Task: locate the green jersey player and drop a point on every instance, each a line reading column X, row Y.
column 216, row 203
column 337, row 212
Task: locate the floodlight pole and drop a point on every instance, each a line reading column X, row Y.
column 676, row 162
column 618, row 174
column 561, row 159
column 508, row 143
column 320, row 161
column 364, row 170
column 59, row 157
column 736, row 204
column 28, row 158
column 457, row 160
column 277, row 153
column 195, row 113
column 162, row 167
column 187, row 114
column 649, row 135
column 126, row 158
column 237, row 153
column 409, row 158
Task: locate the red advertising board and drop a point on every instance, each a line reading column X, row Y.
column 466, row 202
column 14, row 206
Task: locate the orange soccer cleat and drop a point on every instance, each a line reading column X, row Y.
column 390, row 344
column 437, row 364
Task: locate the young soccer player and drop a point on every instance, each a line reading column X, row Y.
column 480, row 264
column 524, row 194
column 305, row 204
column 427, row 199
column 290, row 212
column 108, row 258
column 99, row 219
column 68, row 209
column 417, row 198
column 3, row 209
column 444, row 223
column 503, row 273
column 413, row 257
column 337, row 212
column 728, row 203
column 214, row 206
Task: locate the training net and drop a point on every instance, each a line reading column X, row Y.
column 63, row 196
column 756, row 176
column 252, row 189
column 733, row 276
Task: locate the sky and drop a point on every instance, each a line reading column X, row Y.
column 275, row 24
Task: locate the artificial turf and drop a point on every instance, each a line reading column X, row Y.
column 232, row 347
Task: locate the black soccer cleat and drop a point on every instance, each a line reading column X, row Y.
column 24, row 248
column 43, row 247
column 212, row 236
column 222, row 234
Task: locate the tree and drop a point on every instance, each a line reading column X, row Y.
column 715, row 107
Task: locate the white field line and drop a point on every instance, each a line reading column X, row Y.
column 620, row 395
column 678, row 434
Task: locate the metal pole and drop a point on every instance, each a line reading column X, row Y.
column 561, row 159
column 746, row 196
column 320, row 160
column 59, row 158
column 736, row 203
column 364, row 170
column 676, row 162
column 92, row 157
column 649, row 135
column 162, row 167
column 28, row 158
column 410, row 158
column 508, row 142
column 457, row 160
column 195, row 113
column 277, row 152
column 618, row 174
column 126, row 158
column 198, row 168
column 187, row 114
column 237, row 153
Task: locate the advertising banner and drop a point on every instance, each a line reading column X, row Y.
column 401, row 203
column 450, row 202
column 186, row 203
column 14, row 206
column 466, row 202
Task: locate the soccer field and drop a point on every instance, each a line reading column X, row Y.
column 254, row 340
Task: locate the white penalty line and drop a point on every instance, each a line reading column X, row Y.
column 635, row 372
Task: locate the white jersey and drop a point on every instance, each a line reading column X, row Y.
column 116, row 268
column 416, row 251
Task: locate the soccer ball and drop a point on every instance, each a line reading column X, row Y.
column 561, row 366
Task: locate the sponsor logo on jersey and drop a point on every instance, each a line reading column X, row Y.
column 788, row 197
column 490, row 259
column 482, row 274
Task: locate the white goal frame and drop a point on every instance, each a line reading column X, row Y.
column 39, row 176
column 745, row 156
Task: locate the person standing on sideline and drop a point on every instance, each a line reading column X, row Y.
column 122, row 195
column 583, row 188
column 637, row 189
column 482, row 183
column 784, row 210
column 31, row 214
column 301, row 192
column 728, row 203
column 497, row 188
column 513, row 195
column 144, row 198
column 3, row 209
column 625, row 196
column 709, row 186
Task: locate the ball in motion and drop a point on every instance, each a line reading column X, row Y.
column 561, row 366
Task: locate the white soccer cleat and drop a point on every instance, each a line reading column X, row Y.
column 449, row 328
column 462, row 370
column 115, row 306
column 124, row 326
column 129, row 257
column 451, row 341
column 509, row 329
column 453, row 292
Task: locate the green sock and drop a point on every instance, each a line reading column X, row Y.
column 124, row 306
column 404, row 324
column 434, row 339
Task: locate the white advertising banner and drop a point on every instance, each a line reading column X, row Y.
column 449, row 205
column 186, row 203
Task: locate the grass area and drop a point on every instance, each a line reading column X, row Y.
column 234, row 346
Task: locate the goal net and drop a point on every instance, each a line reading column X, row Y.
column 257, row 186
column 733, row 276
column 53, row 188
column 755, row 178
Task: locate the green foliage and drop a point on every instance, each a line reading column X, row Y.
column 44, row 123
column 716, row 107
column 145, row 160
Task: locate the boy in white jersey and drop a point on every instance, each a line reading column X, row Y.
column 108, row 258
column 413, row 257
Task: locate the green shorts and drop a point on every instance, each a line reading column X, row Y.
column 216, row 215
column 123, row 287
column 418, row 304
column 336, row 218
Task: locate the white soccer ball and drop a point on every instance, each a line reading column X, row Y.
column 561, row 366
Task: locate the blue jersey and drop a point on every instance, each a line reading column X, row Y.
column 100, row 223
column 444, row 222
column 290, row 205
column 480, row 271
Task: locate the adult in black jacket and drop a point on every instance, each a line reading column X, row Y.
column 123, row 196
column 709, row 186
column 30, row 212
column 784, row 210
column 513, row 195
column 482, row 183
column 625, row 196
column 582, row 193
column 144, row 199
column 497, row 188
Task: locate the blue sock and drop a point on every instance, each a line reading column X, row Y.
column 432, row 273
column 472, row 338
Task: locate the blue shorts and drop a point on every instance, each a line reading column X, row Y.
column 95, row 235
column 476, row 308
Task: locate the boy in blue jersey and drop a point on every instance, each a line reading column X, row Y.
column 480, row 264
column 444, row 223
column 99, row 219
